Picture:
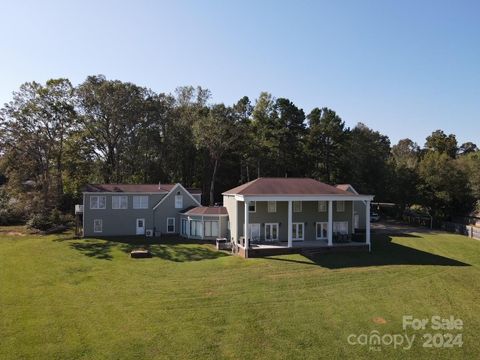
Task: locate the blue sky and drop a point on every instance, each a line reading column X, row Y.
column 404, row 68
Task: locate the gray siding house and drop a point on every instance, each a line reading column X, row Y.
column 120, row 209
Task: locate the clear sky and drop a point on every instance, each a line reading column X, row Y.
column 404, row 68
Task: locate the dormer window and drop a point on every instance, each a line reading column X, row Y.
column 178, row 201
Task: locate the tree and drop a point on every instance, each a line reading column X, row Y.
column 406, row 153
column 467, row 148
column 442, row 143
column 324, row 143
column 215, row 132
column 34, row 128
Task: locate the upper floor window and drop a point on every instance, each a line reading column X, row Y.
column 140, row 202
column 252, row 206
column 322, row 206
column 119, row 202
column 340, row 206
column 297, row 206
column 97, row 202
column 178, row 201
column 272, row 206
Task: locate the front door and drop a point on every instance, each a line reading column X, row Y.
column 140, row 227
column 254, row 232
column 271, row 232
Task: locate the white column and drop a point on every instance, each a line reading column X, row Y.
column 330, row 222
column 367, row 224
column 246, row 221
column 289, row 225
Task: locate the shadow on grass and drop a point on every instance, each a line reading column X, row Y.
column 172, row 248
column 384, row 252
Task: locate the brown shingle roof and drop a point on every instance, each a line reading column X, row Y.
column 207, row 210
column 286, row 186
column 153, row 188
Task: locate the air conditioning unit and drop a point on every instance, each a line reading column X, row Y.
column 149, row 233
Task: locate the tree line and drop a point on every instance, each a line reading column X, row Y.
column 55, row 138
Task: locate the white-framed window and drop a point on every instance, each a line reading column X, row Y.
column 170, row 225
column 252, row 206
column 340, row 206
column 178, row 201
column 211, row 228
column 298, row 231
column 340, row 227
column 297, row 206
column 97, row 225
column 321, row 230
column 140, row 202
column 272, row 206
column 196, row 228
column 119, row 202
column 271, row 231
column 98, row 202
column 322, row 206
column 184, row 227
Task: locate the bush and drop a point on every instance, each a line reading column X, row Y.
column 40, row 222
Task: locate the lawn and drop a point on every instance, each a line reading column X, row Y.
column 66, row 298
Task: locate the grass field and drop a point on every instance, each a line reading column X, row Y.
column 65, row 298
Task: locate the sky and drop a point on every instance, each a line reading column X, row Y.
column 404, row 68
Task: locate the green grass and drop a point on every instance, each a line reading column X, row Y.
column 64, row 298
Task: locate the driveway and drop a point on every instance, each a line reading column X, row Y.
column 395, row 227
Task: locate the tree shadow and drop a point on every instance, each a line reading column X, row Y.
column 174, row 249
column 384, row 252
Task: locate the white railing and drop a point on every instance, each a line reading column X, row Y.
column 78, row 209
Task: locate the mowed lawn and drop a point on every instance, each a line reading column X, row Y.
column 65, row 298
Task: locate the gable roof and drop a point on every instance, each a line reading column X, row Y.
column 347, row 187
column 286, row 186
column 206, row 210
column 145, row 188
column 172, row 190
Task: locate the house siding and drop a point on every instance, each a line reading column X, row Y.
column 117, row 222
column 231, row 205
column 222, row 225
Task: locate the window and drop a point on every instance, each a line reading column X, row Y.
column 211, row 228
column 340, row 227
column 170, row 225
column 97, row 202
column 252, row 206
column 297, row 206
column 140, row 202
column 196, row 228
column 178, row 201
column 272, row 206
column 322, row 206
column 271, row 232
column 340, row 206
column 184, row 227
column 322, row 230
column 98, row 225
column 119, row 202
column 297, row 231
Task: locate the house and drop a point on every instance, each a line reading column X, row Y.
column 121, row 209
column 296, row 211
column 358, row 207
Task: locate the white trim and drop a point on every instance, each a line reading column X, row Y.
column 140, row 196
column 271, row 226
column 336, row 224
column 322, row 224
column 143, row 227
column 301, row 206
column 274, row 203
column 255, row 205
column 171, row 192
column 120, row 202
column 304, row 197
column 180, row 202
column 296, row 232
column 174, row 227
column 98, row 202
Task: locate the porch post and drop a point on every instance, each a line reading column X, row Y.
column 289, row 224
column 246, row 221
column 330, row 222
column 367, row 224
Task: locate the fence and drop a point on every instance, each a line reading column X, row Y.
column 467, row 230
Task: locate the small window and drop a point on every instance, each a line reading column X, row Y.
column 170, row 225
column 322, row 206
column 272, row 206
column 252, row 206
column 97, row 202
column 297, row 231
column 119, row 202
column 98, row 225
column 178, row 201
column 340, row 206
column 297, row 206
column 140, row 202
